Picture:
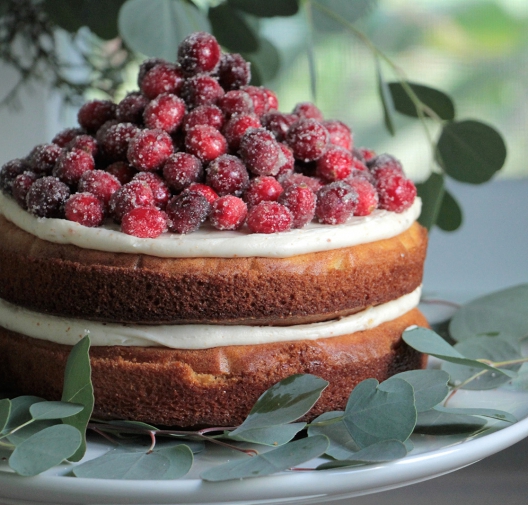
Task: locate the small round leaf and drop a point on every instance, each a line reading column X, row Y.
column 232, row 30
column 269, row 8
column 436, row 100
column 450, row 214
column 431, row 192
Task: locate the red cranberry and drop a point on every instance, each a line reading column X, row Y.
column 10, row 171
column 382, row 162
column 396, row 193
column 236, row 102
column 162, row 78
column 43, row 158
column 64, row 137
column 269, row 217
column 205, row 142
column 204, row 115
column 234, row 71
column 308, row 139
column 301, row 202
column 144, row 222
column 288, row 161
column 239, row 124
column 335, row 164
column 181, row 170
column 262, row 189
column 206, row 191
column 261, row 152
column 99, row 183
column 130, row 109
column 21, row 186
column 187, row 211
column 102, row 131
column 46, row 197
column 85, row 143
column 72, row 164
column 85, row 209
column 157, row 185
column 278, row 123
column 367, row 154
column 259, row 98
column 340, row 134
column 131, row 195
column 336, row 202
column 307, row 110
column 367, row 195
column 314, row 183
column 228, row 213
column 122, row 171
column 227, row 175
column 201, row 89
column 271, row 100
column 199, row 52
column 146, row 65
column 115, row 139
column 165, row 112
column 149, row 149
column 92, row 115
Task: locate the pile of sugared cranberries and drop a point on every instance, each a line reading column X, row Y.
column 198, row 143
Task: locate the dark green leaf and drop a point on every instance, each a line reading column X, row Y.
column 265, row 63
column 380, row 412
column 331, row 424
column 275, row 460
column 500, row 415
column 269, row 8
column 22, row 434
column 450, row 215
column 436, row 100
column 431, row 192
column 386, row 100
column 54, row 410
column 20, row 411
column 231, row 29
column 155, row 28
column 78, row 389
column 430, row 387
column 503, row 312
column 272, row 435
column 471, row 151
column 45, row 449
column 5, row 410
column 434, row 422
column 333, row 15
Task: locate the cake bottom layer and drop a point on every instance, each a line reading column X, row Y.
column 209, row 387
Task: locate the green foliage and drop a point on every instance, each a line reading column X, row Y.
column 269, row 8
column 232, row 30
column 437, row 102
column 386, row 100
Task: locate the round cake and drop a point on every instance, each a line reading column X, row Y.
column 202, row 287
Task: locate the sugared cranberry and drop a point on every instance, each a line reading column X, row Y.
column 278, row 123
column 234, row 71
column 187, row 211
column 144, row 222
column 162, row 78
column 314, row 183
column 122, row 171
column 85, row 209
column 301, row 202
column 204, row 115
column 159, row 188
column 115, row 139
column 396, row 193
column 201, row 89
column 85, row 143
column 227, row 175
column 259, row 97
column 271, row 99
column 382, row 162
column 146, row 65
column 71, row 165
column 208, row 192
column 336, row 202
column 10, row 171
column 99, row 183
column 288, row 162
column 102, row 131
column 131, row 195
column 149, row 149
column 262, row 189
column 205, row 142
column 92, row 115
column 228, row 213
column 130, row 109
column 199, row 52
column 340, row 134
column 64, row 137
column 21, row 186
column 181, row 170
column 236, row 102
column 269, row 217
column 308, row 110
column 335, row 164
column 46, row 197
column 43, row 158
column 261, row 152
column 367, row 195
column 165, row 112
column 308, row 139
column 237, row 125
column 368, row 154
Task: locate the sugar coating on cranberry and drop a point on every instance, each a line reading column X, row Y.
column 71, row 165
column 114, row 140
column 65, row 136
column 234, row 71
column 205, row 142
column 367, row 154
column 122, row 171
column 271, row 100
column 46, row 197
column 130, row 109
column 10, row 171
column 129, row 196
column 144, row 222
column 149, row 149
column 99, row 183
column 181, row 170
column 261, row 152
column 278, row 123
column 21, row 186
column 339, row 134
column 269, row 217
column 396, row 193
column 209, row 193
column 228, row 213
column 201, row 89
column 162, row 78
column 259, row 97
column 86, row 143
column 160, row 190
column 236, row 102
column 92, row 115
column 314, row 183
column 237, row 126
column 335, row 164
column 383, row 162
column 262, row 189
column 199, row 52
column 336, row 202
column 367, row 195
column 165, row 112
column 85, row 209
column 308, row 139
column 308, row 110
column 301, row 201
column 227, row 175
column 187, row 211
column 208, row 114
column 43, row 158
column 288, row 161
column 146, row 65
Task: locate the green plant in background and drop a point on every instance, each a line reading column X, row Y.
column 106, row 36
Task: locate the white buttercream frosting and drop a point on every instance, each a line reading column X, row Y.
column 193, row 336
column 208, row 242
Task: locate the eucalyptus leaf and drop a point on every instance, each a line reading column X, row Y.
column 385, row 450
column 519, row 383
column 269, row 8
column 337, row 13
column 54, row 410
column 5, row 410
column 265, row 62
column 377, row 412
column 471, row 151
column 440, row 103
column 434, row 422
column 20, row 411
column 155, row 28
column 503, row 312
column 386, row 100
column 330, row 424
column 500, row 415
column 431, row 192
column 180, row 458
column 430, row 387
column 78, row 389
column 450, row 215
column 45, row 449
column 271, row 435
column 22, row 434
column 232, row 30
column 276, row 460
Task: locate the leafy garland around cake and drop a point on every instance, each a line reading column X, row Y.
column 375, row 426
